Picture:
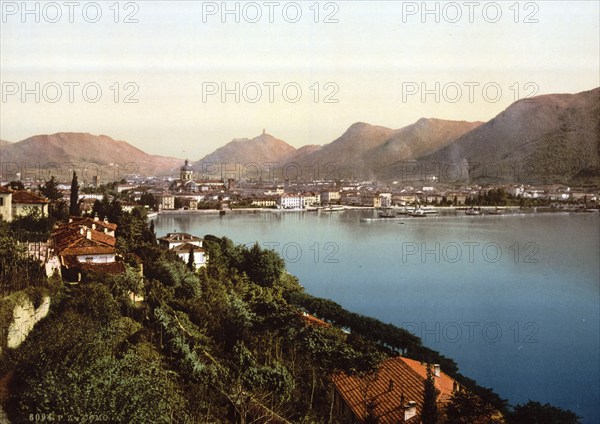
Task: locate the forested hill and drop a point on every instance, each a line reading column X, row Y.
column 223, row 344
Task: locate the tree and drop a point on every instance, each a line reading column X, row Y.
column 430, row 411
column 74, row 204
column 16, row 185
column 178, row 203
column 536, row 413
column 58, row 207
column 468, row 408
column 50, row 190
column 148, row 199
column 190, row 262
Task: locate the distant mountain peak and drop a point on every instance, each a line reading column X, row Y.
column 84, row 149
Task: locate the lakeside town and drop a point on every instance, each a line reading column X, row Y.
column 189, row 192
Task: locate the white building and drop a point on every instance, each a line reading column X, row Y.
column 183, row 244
column 291, row 201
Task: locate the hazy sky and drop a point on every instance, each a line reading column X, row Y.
column 373, row 58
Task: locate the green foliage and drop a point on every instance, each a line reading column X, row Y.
column 50, row 190
column 468, row 408
column 31, row 227
column 388, row 335
column 17, row 269
column 429, row 415
column 132, row 231
column 224, row 344
column 16, row 185
column 92, row 365
column 148, row 199
column 536, row 413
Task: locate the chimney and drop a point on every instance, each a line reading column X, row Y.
column 410, row 410
column 455, row 387
column 70, row 220
column 105, row 230
column 96, row 217
column 105, row 220
column 88, row 234
column 82, row 230
column 93, row 226
column 436, row 370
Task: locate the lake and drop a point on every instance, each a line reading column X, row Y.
column 514, row 299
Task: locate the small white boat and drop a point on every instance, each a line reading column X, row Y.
column 419, row 213
column 428, row 210
column 422, row 211
column 473, row 211
column 333, row 208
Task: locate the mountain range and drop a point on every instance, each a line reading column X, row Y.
column 553, row 137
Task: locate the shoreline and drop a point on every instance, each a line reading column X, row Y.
column 459, row 209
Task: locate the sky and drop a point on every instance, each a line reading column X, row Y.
column 184, row 78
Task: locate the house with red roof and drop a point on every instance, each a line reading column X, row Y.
column 24, row 202
column 15, row 203
column 394, row 393
column 86, row 244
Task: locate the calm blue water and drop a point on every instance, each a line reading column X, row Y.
column 514, row 300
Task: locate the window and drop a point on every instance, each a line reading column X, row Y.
column 1, row 201
column 89, row 259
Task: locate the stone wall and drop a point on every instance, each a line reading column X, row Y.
column 18, row 315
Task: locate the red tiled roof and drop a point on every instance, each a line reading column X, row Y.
column 88, row 221
column 312, row 320
column 5, row 190
column 68, row 240
column 87, row 250
column 444, row 383
column 27, row 197
column 398, row 381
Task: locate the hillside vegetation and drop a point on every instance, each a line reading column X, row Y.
column 227, row 343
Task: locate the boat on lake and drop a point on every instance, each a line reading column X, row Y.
column 419, row 213
column 473, row 211
column 333, row 208
column 428, row 210
column 423, row 211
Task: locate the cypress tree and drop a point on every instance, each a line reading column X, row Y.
column 190, row 262
column 430, row 412
column 74, row 200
